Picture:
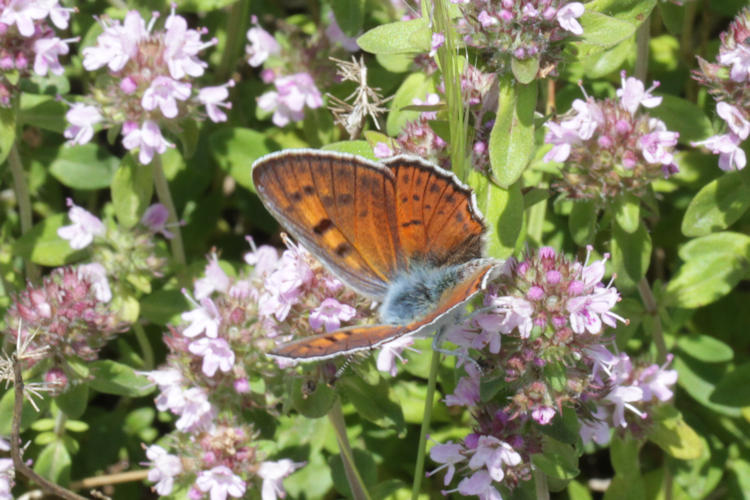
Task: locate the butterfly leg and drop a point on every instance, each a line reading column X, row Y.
column 461, row 355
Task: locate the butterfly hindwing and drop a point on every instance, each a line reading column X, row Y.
column 340, row 207
column 438, row 221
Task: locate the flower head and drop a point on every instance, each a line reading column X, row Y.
column 85, row 227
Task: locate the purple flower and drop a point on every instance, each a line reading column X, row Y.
column 562, row 139
column 543, row 414
column 466, row 392
column 196, row 413
column 163, row 468
column 82, row 119
column 214, row 98
column 622, row 397
column 494, row 454
column 85, row 226
column 182, row 46
column 479, row 484
column 448, row 454
column 335, row 35
column 382, row 150
column 155, row 219
column 656, row 380
column 292, row 94
column 438, row 39
column 262, row 45
column 727, row 146
column 331, row 313
column 567, row 17
column 596, row 429
column 430, row 100
column 391, row 351
column 273, row 474
column 116, row 44
column 633, row 94
column 220, row 482
column 515, row 313
column 216, row 354
column 171, row 393
column 486, row 20
column 734, row 118
column 23, row 13
column 202, row 319
column 148, row 139
column 739, row 58
column 215, row 279
column 7, row 475
column 588, row 312
column 47, row 52
column 95, row 274
column 164, row 92
column 263, row 259
column 657, row 145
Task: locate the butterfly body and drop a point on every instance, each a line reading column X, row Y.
column 404, row 233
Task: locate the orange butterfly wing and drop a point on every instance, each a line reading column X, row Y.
column 360, row 338
column 341, row 207
column 437, row 218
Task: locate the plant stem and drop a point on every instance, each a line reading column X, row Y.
column 21, row 189
column 238, row 17
column 642, row 36
column 426, row 416
column 542, row 488
column 652, row 309
column 165, row 197
column 145, row 345
column 336, row 417
column 15, row 439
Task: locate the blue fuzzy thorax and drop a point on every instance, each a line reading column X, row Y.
column 414, row 294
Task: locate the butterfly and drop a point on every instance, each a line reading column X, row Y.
column 405, row 233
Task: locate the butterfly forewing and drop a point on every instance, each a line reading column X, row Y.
column 341, row 208
column 437, row 218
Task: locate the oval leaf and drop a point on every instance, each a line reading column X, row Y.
column 53, row 463
column 7, row 132
column 627, row 213
column 235, row 149
column 111, row 377
column 705, row 348
column 525, row 70
column 132, row 188
column 43, row 246
column 717, row 205
column 84, row 167
column 313, row 403
column 401, row 37
column 512, row 136
column 582, row 221
column 350, row 15
column 673, row 435
column 631, row 253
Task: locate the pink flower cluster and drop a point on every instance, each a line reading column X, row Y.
column 608, row 147
column 27, row 41
column 538, row 340
column 148, row 84
column 69, row 314
column 520, row 30
column 728, row 81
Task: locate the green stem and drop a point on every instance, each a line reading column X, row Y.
column 238, row 18
column 145, row 346
column 336, row 417
column 542, row 488
column 686, row 46
column 642, row 36
column 165, row 197
column 426, row 416
column 23, row 198
column 652, row 309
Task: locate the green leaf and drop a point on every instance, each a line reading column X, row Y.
column 359, row 148
column 503, row 209
column 673, row 435
column 188, row 135
column 132, row 188
column 53, row 463
column 402, row 37
column 350, row 15
column 512, row 136
column 365, row 465
column 705, row 348
column 76, row 426
column 73, row 402
column 628, row 213
column 582, row 221
column 631, row 253
column 7, row 131
column 235, row 149
column 372, row 402
column 684, row 117
column 415, row 85
column 734, row 389
column 623, row 454
column 714, row 265
column 43, row 246
column 564, row 428
column 43, row 111
column 311, row 399
column 699, row 381
column 718, row 205
column 558, row 460
column 525, row 70
column 84, row 167
column 602, row 31
column 111, row 377
column 163, row 306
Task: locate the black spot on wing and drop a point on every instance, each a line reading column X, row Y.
column 323, row 226
column 343, row 249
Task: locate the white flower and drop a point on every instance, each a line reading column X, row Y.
column 95, row 274
column 85, row 226
column 567, row 17
column 164, row 467
column 273, row 473
column 216, row 355
column 82, row 119
column 220, row 482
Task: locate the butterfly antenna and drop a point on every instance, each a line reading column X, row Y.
column 350, row 360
